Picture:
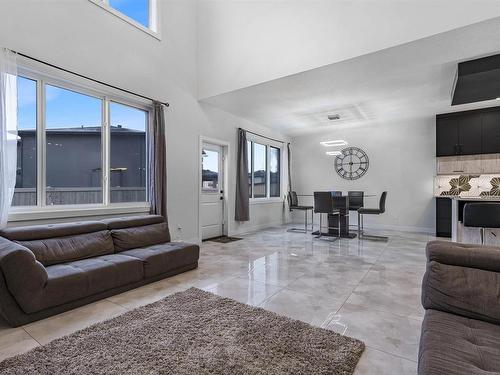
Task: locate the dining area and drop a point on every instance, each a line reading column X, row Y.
column 336, row 211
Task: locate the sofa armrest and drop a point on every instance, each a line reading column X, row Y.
column 24, row 275
column 463, row 280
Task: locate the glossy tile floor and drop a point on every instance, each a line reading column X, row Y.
column 365, row 289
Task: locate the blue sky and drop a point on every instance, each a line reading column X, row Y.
column 26, row 94
column 211, row 161
column 136, row 9
column 66, row 109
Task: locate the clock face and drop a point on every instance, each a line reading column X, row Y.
column 352, row 163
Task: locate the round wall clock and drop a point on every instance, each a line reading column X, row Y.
column 352, row 163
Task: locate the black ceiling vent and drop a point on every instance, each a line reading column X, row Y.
column 477, row 80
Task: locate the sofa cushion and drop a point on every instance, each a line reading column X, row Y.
column 471, row 292
column 133, row 221
column 134, row 237
column 57, row 250
column 451, row 344
column 74, row 280
column 162, row 258
column 37, row 232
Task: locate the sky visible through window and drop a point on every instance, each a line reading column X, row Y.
column 69, row 109
column 210, row 162
column 65, row 106
column 259, row 158
column 26, row 94
column 127, row 117
column 138, row 10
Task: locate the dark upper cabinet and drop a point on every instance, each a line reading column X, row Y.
column 491, row 132
column 447, row 136
column 468, row 133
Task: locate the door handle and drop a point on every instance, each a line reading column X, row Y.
column 221, row 198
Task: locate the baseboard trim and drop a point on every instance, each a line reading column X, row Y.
column 255, row 228
column 401, row 228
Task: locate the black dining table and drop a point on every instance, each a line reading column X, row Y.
column 341, row 203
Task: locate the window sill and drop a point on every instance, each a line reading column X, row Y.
column 127, row 19
column 36, row 213
column 265, row 200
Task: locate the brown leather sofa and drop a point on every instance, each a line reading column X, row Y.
column 461, row 295
column 48, row 269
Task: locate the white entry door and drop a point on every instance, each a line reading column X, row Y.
column 212, row 191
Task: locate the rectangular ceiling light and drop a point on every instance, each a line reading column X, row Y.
column 333, row 153
column 338, row 142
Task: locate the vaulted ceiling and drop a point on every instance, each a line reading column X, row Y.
column 404, row 81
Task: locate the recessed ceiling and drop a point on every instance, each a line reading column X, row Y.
column 414, row 79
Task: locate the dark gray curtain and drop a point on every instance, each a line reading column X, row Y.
column 242, row 212
column 158, row 162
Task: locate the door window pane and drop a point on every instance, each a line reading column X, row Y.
column 210, row 174
column 128, row 153
column 249, row 160
column 25, row 191
column 73, row 147
column 274, row 171
column 259, row 170
column 138, row 10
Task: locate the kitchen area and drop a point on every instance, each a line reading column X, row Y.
column 467, row 170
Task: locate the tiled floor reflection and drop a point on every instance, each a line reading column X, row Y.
column 365, row 289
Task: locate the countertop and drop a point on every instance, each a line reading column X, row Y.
column 485, row 199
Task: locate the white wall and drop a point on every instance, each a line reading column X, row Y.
column 246, row 42
column 81, row 36
column 402, row 162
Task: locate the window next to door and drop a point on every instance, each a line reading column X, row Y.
column 264, row 171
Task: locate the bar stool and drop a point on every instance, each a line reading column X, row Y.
column 323, row 204
column 482, row 215
column 293, row 203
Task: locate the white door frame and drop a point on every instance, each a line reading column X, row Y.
column 225, row 154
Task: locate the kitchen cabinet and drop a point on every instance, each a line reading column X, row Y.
column 468, row 133
column 491, row 132
column 443, row 217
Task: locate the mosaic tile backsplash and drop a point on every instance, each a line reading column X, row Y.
column 485, row 185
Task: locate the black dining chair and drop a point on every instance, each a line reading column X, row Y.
column 293, row 203
column 323, row 204
column 371, row 211
column 356, row 201
column 482, row 215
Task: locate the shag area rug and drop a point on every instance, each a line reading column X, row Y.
column 194, row 332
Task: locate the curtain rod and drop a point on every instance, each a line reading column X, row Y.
column 166, row 104
column 263, row 136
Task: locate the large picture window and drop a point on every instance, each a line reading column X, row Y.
column 264, row 170
column 77, row 147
